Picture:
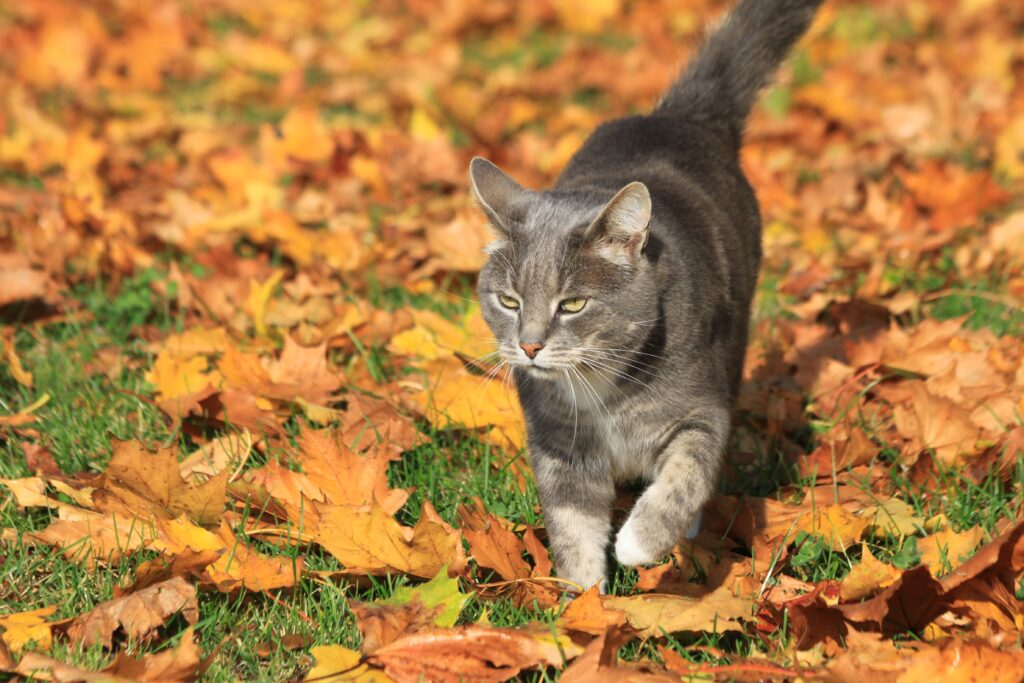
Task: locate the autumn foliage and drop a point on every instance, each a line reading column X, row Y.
column 288, row 180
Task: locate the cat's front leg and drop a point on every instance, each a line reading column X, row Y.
column 670, row 507
column 577, row 506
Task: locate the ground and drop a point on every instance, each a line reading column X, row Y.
column 242, row 359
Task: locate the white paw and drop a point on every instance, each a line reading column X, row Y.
column 628, row 550
column 694, row 527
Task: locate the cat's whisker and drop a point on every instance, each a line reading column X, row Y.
column 489, row 377
column 596, row 400
column 615, row 371
column 639, row 366
column 575, row 411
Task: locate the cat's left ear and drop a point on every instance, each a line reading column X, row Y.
column 621, row 229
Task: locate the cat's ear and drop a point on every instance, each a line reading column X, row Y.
column 620, row 230
column 501, row 198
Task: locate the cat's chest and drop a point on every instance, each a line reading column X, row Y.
column 616, row 433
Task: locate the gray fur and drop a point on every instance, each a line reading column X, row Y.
column 654, row 223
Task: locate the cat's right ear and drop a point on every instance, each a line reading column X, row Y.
column 501, row 198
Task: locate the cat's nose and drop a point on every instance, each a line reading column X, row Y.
column 531, row 348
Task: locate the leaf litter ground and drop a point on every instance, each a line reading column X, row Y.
column 251, row 424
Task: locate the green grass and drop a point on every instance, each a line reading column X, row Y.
column 92, row 401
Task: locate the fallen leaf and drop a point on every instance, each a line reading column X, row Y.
column 492, row 544
column 472, row 653
column 367, row 540
column 946, row 550
column 237, row 566
column 652, row 614
column 139, row 480
column 23, row 628
column 436, row 603
column 867, row 577
column 137, row 616
column 337, row 663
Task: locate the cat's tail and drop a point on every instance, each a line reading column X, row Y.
column 737, row 59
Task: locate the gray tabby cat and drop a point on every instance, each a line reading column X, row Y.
column 621, row 299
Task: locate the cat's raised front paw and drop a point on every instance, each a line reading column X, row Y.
column 629, row 550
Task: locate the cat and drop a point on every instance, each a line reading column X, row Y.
column 620, row 298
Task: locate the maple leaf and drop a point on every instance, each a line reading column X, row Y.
column 97, row 537
column 472, row 653
column 337, row 663
column 946, row 550
column 491, row 543
column 176, row 377
column 345, row 476
column 654, row 614
column 137, row 615
column 177, row 665
column 23, row 628
column 367, row 540
column 587, row 614
column 436, row 603
column 600, row 663
column 229, row 452
column 867, row 577
column 237, row 565
column 138, row 480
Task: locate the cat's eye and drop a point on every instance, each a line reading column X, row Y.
column 572, row 305
column 508, row 301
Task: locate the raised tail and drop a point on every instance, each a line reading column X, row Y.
column 738, row 59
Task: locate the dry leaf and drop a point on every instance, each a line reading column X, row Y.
column 137, row 616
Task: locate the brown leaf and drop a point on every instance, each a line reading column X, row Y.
column 348, row 478
column 238, row 565
column 472, row 653
column 652, row 614
column 599, row 663
column 492, row 544
column 938, row 424
column 138, row 615
column 587, row 614
column 139, row 480
column 177, row 665
column 383, row 624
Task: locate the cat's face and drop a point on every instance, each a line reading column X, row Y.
column 567, row 287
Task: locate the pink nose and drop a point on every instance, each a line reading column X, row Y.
column 531, row 348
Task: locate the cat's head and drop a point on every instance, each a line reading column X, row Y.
column 568, row 282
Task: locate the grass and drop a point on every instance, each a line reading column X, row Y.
column 92, row 402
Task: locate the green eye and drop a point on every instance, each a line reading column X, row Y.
column 508, row 301
column 572, row 305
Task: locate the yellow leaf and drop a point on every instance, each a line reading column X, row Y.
column 259, row 295
column 305, row 136
column 30, row 492
column 946, row 550
column 238, row 566
column 1010, row 149
column 586, row 16
column 366, row 540
column 23, row 628
column 652, row 613
column 867, row 577
column 893, row 516
column 835, row 524
column 337, row 663
column 17, row 370
column 422, row 127
column 177, row 376
column 455, row 396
